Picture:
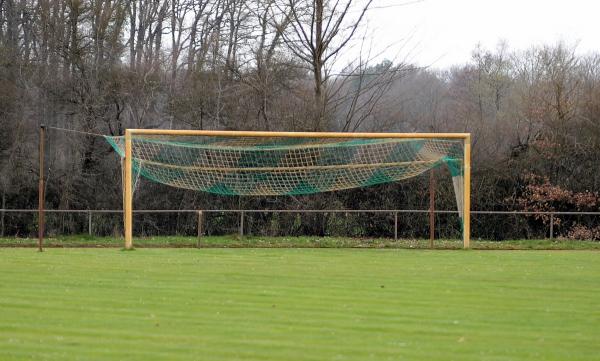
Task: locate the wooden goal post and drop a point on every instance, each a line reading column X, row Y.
column 128, row 183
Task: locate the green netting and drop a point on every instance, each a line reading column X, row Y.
column 286, row 166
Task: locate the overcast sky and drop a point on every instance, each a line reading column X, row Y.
column 442, row 33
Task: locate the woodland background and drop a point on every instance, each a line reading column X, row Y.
column 102, row 66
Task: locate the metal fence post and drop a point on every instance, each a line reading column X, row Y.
column 395, row 226
column 241, row 223
column 200, row 230
column 551, row 225
column 90, row 223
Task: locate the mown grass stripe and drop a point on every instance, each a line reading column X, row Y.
column 309, row 304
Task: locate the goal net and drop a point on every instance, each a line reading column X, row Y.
column 269, row 164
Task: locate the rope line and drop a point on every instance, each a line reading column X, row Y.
column 76, row 131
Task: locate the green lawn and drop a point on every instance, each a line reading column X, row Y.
column 299, row 304
column 297, row 242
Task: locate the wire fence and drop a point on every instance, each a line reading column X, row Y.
column 385, row 223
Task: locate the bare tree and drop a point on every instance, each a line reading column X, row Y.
column 319, row 30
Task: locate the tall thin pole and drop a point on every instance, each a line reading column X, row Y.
column 41, row 195
column 431, row 207
column 467, row 194
column 128, row 204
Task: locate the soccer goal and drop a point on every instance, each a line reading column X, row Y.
column 288, row 163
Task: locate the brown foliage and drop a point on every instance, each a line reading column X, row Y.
column 581, row 232
column 540, row 195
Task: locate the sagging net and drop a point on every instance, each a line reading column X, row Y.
column 266, row 166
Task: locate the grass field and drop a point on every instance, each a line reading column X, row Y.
column 298, row 304
column 297, row 242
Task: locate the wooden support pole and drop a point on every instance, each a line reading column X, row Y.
column 239, row 133
column 466, row 137
column 128, row 204
column 551, row 225
column 200, row 230
column 467, row 193
column 431, row 207
column 41, row 191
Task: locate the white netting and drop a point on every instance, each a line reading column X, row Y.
column 280, row 166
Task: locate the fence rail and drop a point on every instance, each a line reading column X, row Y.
column 242, row 212
column 294, row 211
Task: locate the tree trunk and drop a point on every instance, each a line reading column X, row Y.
column 318, row 66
